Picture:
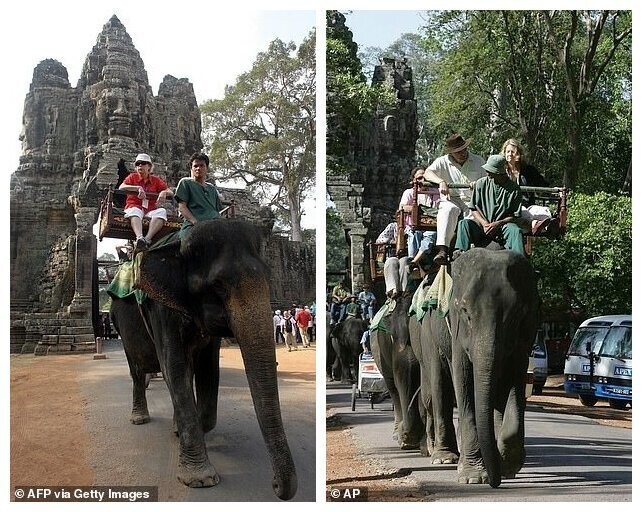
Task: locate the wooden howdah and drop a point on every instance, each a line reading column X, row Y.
column 113, row 224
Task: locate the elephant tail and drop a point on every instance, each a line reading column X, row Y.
column 485, row 376
column 250, row 318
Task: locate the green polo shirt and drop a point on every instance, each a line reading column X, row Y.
column 202, row 200
column 496, row 201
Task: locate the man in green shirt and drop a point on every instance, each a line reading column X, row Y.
column 197, row 199
column 495, row 205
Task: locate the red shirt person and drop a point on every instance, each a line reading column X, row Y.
column 139, row 205
column 303, row 318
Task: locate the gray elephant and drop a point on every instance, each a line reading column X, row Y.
column 432, row 347
column 212, row 284
column 346, row 342
column 493, row 317
column 400, row 369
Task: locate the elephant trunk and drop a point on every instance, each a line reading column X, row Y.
column 485, row 378
column 251, row 321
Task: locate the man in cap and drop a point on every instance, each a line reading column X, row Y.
column 147, row 191
column 458, row 165
column 495, row 206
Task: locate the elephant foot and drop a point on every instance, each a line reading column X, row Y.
column 472, row 475
column 444, row 457
column 423, row 448
column 405, row 444
column 203, row 476
column 138, row 418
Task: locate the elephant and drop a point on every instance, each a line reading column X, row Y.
column 432, row 345
column 346, row 342
column 493, row 318
column 211, row 284
column 332, row 367
column 397, row 363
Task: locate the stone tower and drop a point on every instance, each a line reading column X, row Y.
column 72, row 140
column 384, row 154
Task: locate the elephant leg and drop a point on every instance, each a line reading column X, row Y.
column 207, row 374
column 407, row 381
column 194, row 466
column 445, row 445
column 470, row 469
column 511, row 434
column 140, row 413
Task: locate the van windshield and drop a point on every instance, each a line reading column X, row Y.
column 617, row 343
column 593, row 335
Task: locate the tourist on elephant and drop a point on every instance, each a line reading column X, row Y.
column 352, row 308
column 495, row 206
column 138, row 205
column 340, row 298
column 460, row 166
column 536, row 218
column 366, row 300
column 419, row 242
column 197, row 199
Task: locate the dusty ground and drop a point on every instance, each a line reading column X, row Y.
column 49, row 441
column 384, row 485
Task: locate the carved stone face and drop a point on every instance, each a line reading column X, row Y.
column 117, row 110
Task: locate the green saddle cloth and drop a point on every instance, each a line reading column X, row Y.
column 380, row 321
column 124, row 283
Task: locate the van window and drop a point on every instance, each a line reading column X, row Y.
column 594, row 335
column 617, row 343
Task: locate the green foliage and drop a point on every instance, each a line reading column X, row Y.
column 350, row 102
column 336, row 246
column 590, row 268
column 262, row 132
column 499, row 75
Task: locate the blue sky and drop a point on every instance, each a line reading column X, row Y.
column 381, row 28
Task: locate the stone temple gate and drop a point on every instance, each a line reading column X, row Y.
column 384, row 155
column 72, row 141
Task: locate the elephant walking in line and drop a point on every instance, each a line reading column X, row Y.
column 400, row 369
column 346, row 342
column 433, row 348
column 212, row 284
column 493, row 314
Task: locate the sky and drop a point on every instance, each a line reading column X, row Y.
column 208, row 44
column 381, row 28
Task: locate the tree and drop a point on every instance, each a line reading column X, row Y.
column 336, row 246
column 350, row 102
column 263, row 131
column 589, row 270
column 501, row 74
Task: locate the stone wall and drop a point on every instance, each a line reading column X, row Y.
column 72, row 141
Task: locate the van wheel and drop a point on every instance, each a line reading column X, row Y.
column 588, row 400
column 618, row 404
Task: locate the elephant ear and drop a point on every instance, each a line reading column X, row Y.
column 162, row 276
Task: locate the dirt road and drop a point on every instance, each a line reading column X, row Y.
column 70, row 427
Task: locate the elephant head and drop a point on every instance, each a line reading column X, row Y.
column 493, row 309
column 217, row 279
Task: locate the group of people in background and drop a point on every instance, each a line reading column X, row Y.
column 295, row 326
column 344, row 304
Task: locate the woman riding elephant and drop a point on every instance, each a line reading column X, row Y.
column 211, row 284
